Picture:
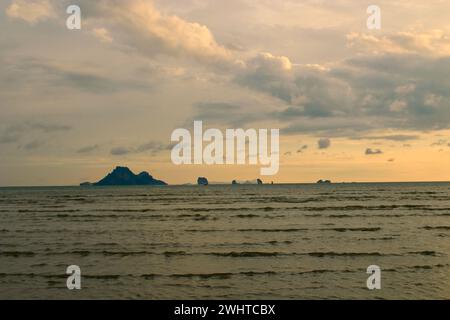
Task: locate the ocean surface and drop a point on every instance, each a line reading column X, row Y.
column 226, row 242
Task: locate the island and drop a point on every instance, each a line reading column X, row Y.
column 324, row 181
column 256, row 181
column 202, row 181
column 123, row 176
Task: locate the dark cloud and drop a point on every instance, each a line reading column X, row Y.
column 324, row 143
column 370, row 151
column 12, row 133
column 224, row 113
column 15, row 133
column 304, row 147
column 358, row 95
column 152, row 147
column 48, row 127
column 40, row 71
column 269, row 74
column 335, row 127
column 397, row 137
column 35, row 144
column 9, row 137
column 88, row 149
column 440, row 142
column 120, row 151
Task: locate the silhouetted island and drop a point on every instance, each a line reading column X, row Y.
column 257, row 181
column 324, row 181
column 202, row 181
column 123, row 176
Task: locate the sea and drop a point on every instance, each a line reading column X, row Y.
column 298, row 241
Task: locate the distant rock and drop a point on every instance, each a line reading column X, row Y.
column 202, row 181
column 123, row 176
column 324, row 181
column 85, row 184
column 257, row 181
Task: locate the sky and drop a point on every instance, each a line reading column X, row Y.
column 352, row 104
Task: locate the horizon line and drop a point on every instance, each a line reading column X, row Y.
column 226, row 184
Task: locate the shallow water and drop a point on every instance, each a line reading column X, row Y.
column 226, row 242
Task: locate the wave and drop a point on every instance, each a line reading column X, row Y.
column 314, row 208
column 228, row 209
column 175, row 253
column 213, row 275
column 250, row 215
column 248, row 230
column 424, row 253
column 341, row 216
column 436, row 227
column 382, row 238
column 354, row 229
column 231, row 254
column 102, row 216
column 247, row 254
column 364, row 207
column 252, row 254
column 46, row 211
column 216, row 275
column 58, row 276
column 346, row 254
column 245, row 244
column 102, row 276
column 125, row 210
column 273, row 230
column 227, row 275
column 17, row 253
column 428, row 267
column 277, row 230
column 204, row 276
column 85, row 253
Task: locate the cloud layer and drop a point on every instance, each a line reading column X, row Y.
column 31, row 11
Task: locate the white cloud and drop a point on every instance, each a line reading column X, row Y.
column 32, row 11
column 405, row 89
column 267, row 62
column 139, row 25
column 102, row 34
column 398, row 106
column 434, row 42
column 433, row 100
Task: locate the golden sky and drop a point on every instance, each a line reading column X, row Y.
column 76, row 103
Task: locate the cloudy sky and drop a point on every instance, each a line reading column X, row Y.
column 351, row 104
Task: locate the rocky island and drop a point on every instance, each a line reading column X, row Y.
column 202, row 181
column 123, row 176
column 256, row 181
